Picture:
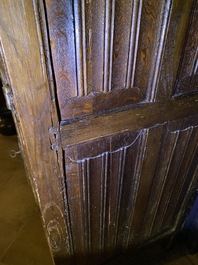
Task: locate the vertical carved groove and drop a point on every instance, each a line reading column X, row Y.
column 178, row 170
column 84, row 48
column 80, row 46
column 136, row 42
column 164, row 181
column 137, row 174
column 111, row 42
column 195, row 63
column 159, row 179
column 88, row 206
column 67, row 211
column 192, row 157
column 133, row 44
column 105, row 192
column 101, row 202
column 104, row 172
column 189, row 190
column 122, row 161
column 108, row 43
column 86, row 202
column 164, row 25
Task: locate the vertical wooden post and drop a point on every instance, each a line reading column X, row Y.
column 35, row 111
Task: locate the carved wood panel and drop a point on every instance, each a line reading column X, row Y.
column 127, row 189
column 116, row 53
column 112, row 147
column 129, row 142
column 188, row 75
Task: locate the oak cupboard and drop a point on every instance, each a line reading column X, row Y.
column 104, row 97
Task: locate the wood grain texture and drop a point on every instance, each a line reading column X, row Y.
column 80, row 46
column 113, row 45
column 126, row 37
column 100, row 223
column 125, row 189
column 188, row 77
column 118, row 45
column 25, row 64
column 154, row 24
column 111, row 152
column 149, row 163
column 100, row 102
column 177, row 27
column 95, row 38
column 182, row 141
column 142, row 116
column 62, row 41
column 191, row 151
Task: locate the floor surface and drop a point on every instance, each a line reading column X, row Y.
column 22, row 239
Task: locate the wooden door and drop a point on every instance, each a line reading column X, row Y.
column 123, row 110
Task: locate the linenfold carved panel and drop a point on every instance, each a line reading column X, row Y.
column 188, row 74
column 176, row 31
column 126, row 189
column 112, row 45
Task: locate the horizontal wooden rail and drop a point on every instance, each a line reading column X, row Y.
column 142, row 116
column 95, row 103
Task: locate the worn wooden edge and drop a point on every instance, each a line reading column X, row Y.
column 54, row 131
column 99, row 102
column 141, row 116
column 35, row 112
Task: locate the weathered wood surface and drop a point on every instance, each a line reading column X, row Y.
column 142, row 116
column 173, row 44
column 35, row 112
column 116, row 45
column 188, row 74
column 100, row 102
column 129, row 188
column 124, row 163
